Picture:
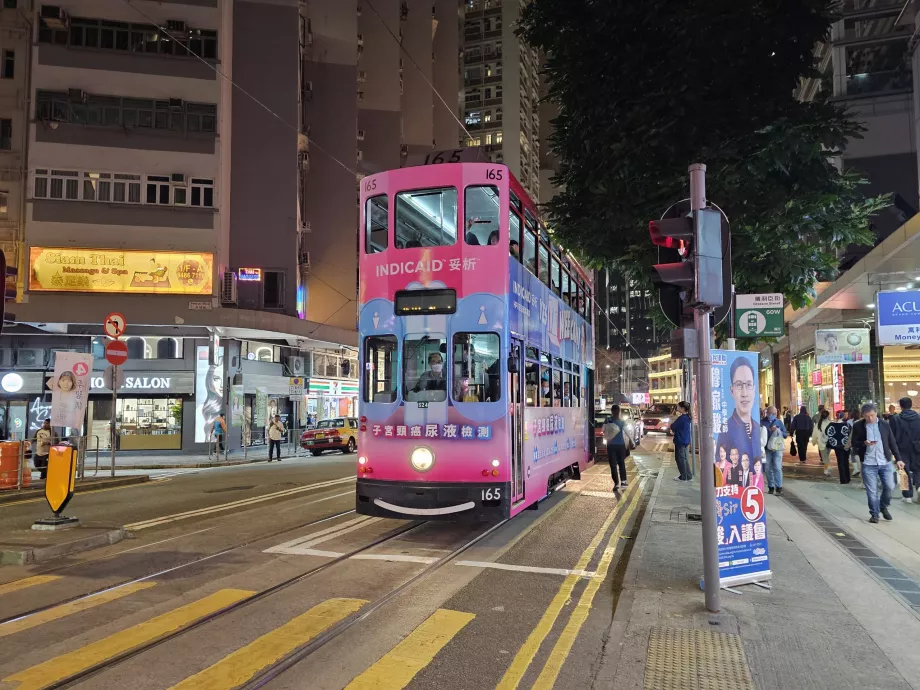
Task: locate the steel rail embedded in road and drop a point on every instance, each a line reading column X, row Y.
column 102, row 666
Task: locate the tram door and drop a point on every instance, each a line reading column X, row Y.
column 516, row 387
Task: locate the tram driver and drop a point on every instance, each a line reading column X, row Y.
column 433, row 379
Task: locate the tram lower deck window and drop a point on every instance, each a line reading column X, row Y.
column 424, row 377
column 477, row 367
column 380, row 368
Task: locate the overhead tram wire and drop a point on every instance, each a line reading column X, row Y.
column 412, row 59
column 164, row 31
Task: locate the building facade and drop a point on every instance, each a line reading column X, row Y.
column 501, row 89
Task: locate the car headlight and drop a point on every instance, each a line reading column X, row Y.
column 422, row 459
column 666, row 419
column 605, row 441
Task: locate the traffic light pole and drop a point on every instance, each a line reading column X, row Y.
column 711, row 580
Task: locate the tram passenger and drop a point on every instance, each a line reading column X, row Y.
column 515, row 249
column 544, row 393
column 463, row 392
column 433, row 379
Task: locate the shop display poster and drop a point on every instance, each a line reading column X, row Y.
column 209, row 393
column 739, row 469
column 70, row 388
column 237, row 405
column 842, row 346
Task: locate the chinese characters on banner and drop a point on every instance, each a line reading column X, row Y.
column 70, row 388
column 739, row 469
column 465, row 432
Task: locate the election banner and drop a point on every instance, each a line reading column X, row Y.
column 70, row 388
column 739, row 469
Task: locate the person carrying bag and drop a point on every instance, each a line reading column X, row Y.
column 617, row 449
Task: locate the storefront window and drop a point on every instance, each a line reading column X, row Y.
column 146, row 347
column 142, row 423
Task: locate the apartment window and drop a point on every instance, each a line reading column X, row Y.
column 112, row 111
column 202, row 192
column 9, row 64
column 56, row 184
column 487, row 92
column 139, row 38
column 6, row 134
column 9, row 4
column 126, row 189
column 158, row 190
column 498, row 138
column 4, row 202
column 273, row 290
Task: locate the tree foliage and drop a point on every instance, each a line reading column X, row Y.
column 646, row 87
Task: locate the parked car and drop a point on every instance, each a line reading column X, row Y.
column 659, row 417
column 628, row 414
column 340, row 433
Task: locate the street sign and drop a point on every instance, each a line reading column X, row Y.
column 114, row 325
column 759, row 316
column 116, row 352
column 296, row 385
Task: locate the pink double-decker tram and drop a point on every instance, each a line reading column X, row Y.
column 476, row 347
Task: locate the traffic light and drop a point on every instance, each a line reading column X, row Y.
column 9, row 289
column 693, row 270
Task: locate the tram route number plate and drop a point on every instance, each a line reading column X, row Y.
column 492, row 494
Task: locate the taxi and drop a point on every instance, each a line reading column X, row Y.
column 339, row 433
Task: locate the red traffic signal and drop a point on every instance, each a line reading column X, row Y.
column 672, row 233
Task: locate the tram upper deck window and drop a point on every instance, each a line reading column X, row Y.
column 565, row 288
column 426, row 218
column 514, row 235
column 481, row 213
column 424, row 377
column 530, row 251
column 376, row 224
column 380, row 368
column 554, row 274
column 477, row 372
column 544, row 265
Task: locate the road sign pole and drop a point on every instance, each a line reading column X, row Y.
column 711, row 580
column 114, row 403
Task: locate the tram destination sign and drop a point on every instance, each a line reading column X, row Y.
column 759, row 316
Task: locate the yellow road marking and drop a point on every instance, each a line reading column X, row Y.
column 16, row 585
column 61, row 667
column 16, row 626
column 237, row 668
column 397, row 668
column 82, row 493
column 526, row 653
column 563, row 646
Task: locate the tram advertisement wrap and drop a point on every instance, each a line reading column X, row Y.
column 739, row 469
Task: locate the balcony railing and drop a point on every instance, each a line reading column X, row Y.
column 878, row 82
column 869, row 5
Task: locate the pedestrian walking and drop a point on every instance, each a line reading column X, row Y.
column 819, row 438
column 906, row 428
column 615, row 436
column 787, row 419
column 44, row 439
column 875, row 444
column 680, row 427
column 817, row 417
column 275, row 434
column 802, row 427
column 218, row 429
column 838, row 436
column 773, row 452
column 852, row 418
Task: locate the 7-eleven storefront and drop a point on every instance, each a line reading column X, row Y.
column 332, row 398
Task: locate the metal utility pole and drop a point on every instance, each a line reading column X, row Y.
column 113, row 421
column 711, row 580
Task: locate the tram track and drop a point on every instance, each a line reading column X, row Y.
column 103, row 666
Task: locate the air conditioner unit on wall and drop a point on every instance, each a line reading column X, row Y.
column 228, row 294
column 176, row 26
column 296, row 366
column 30, row 358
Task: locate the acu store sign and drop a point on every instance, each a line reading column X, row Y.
column 897, row 318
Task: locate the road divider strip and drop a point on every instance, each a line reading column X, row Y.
column 154, row 522
column 25, row 582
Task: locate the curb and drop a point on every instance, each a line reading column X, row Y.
column 27, row 555
column 86, row 485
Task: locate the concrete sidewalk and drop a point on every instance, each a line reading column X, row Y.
column 836, row 617
column 161, row 461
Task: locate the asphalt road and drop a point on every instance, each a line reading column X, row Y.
column 274, row 566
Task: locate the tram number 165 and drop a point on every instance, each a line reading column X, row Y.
column 492, row 494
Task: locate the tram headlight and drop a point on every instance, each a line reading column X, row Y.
column 422, row 459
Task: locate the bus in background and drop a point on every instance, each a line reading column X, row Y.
column 476, row 347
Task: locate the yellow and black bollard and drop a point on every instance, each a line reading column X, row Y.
column 62, row 473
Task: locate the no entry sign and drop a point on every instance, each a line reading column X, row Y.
column 116, row 352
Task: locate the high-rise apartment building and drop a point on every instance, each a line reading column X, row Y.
column 501, row 88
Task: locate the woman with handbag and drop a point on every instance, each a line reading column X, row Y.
column 617, row 450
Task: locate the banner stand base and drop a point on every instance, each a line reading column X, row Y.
column 760, row 579
column 55, row 523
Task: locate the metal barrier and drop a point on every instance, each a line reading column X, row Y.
column 78, row 442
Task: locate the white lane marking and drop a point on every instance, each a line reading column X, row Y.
column 393, row 557
column 425, row 511
column 234, row 504
column 315, row 538
column 599, row 494
column 328, row 498
column 527, row 568
column 154, row 543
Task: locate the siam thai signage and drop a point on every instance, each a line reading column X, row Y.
column 128, row 271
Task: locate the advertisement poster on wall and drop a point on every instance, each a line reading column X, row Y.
column 237, row 405
column 260, row 414
column 70, row 388
column 897, row 318
column 842, row 346
column 209, row 392
column 739, row 469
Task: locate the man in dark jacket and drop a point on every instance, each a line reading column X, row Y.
column 874, row 444
column 802, row 426
column 681, row 430
column 906, row 428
